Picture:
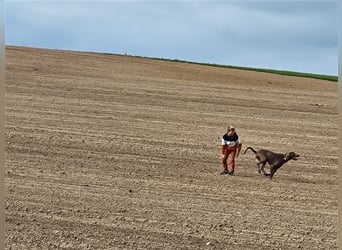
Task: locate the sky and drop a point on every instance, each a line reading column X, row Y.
column 290, row 35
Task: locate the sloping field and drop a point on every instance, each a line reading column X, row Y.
column 118, row 152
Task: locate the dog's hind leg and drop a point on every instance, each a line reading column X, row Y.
column 258, row 163
column 262, row 168
column 258, row 167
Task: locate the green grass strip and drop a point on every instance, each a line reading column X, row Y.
column 273, row 71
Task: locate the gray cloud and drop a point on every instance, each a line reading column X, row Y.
column 275, row 34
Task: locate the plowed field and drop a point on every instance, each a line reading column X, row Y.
column 118, row 152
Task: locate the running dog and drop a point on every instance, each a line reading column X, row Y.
column 275, row 160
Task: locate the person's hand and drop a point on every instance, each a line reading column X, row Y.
column 237, row 153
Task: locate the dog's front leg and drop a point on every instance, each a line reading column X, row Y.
column 272, row 171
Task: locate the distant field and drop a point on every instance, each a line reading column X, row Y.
column 273, row 71
column 112, row 152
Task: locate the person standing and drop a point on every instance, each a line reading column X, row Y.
column 231, row 147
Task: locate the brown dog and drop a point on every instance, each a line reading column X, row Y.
column 273, row 159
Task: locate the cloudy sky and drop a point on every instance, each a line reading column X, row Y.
column 296, row 35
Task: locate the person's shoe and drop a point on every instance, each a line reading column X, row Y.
column 231, row 173
column 224, row 172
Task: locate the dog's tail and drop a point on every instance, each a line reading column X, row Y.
column 250, row 149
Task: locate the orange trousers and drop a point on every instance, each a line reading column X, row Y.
column 228, row 154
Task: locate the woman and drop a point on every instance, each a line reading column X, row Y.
column 231, row 147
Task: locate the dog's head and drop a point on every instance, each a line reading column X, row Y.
column 291, row 156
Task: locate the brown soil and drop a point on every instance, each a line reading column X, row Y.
column 118, row 152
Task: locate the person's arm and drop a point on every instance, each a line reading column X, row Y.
column 223, row 147
column 238, row 149
column 239, row 146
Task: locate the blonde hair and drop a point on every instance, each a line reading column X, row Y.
column 231, row 127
